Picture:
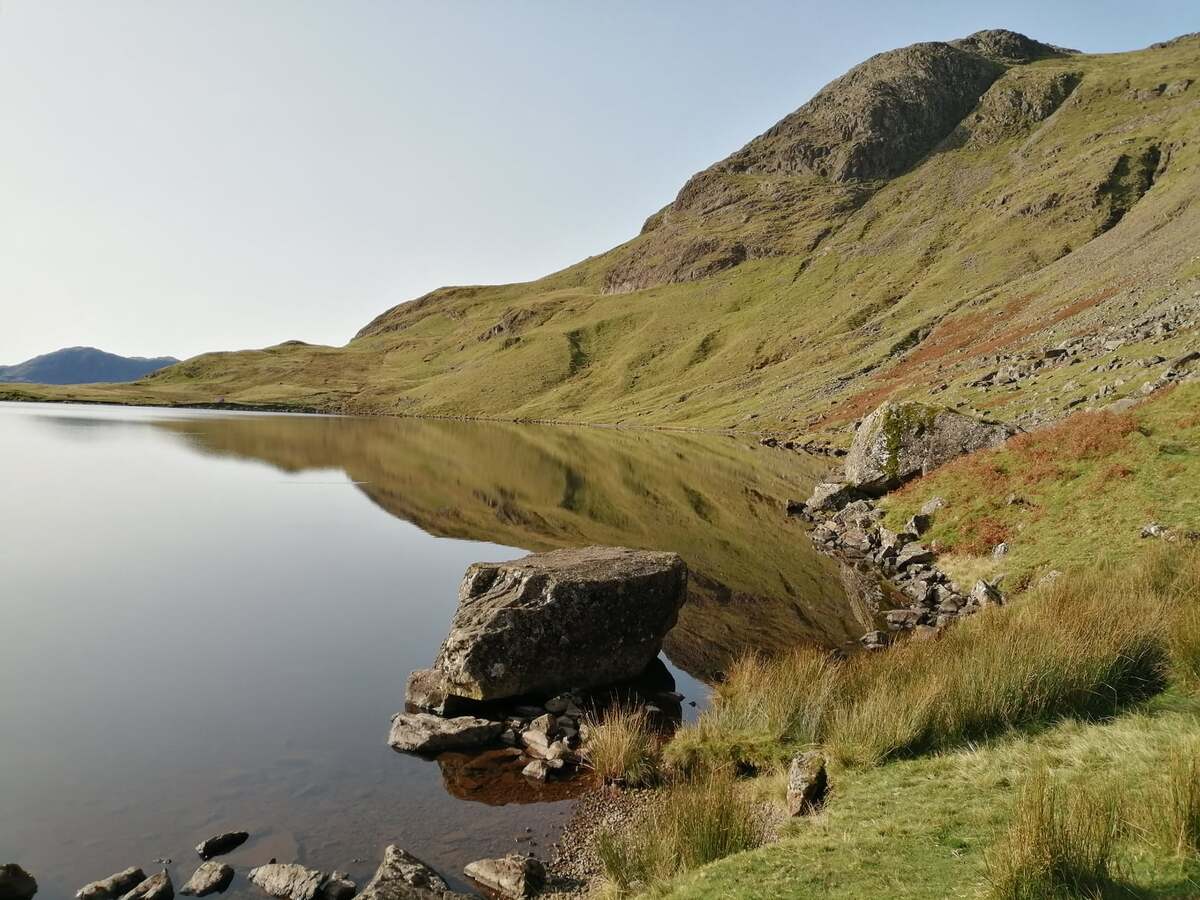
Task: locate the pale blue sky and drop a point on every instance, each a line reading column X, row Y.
column 186, row 176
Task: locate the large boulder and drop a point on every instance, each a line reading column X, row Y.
column 512, row 876
column 401, row 876
column 552, row 621
column 902, row 440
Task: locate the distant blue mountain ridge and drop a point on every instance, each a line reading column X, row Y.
column 83, row 365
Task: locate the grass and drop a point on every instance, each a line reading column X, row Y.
column 1060, row 843
column 692, row 823
column 1071, row 691
column 1083, row 490
column 622, row 747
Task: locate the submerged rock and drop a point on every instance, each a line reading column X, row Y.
column 221, row 843
column 156, row 887
column 511, row 876
column 901, row 440
column 113, row 886
column 427, row 733
column 558, row 620
column 16, row 883
column 210, row 878
column 401, row 876
column 292, row 881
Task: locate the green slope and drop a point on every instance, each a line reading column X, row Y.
column 794, row 285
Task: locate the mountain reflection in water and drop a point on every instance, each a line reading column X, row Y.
column 755, row 580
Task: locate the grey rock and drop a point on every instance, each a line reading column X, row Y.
column 113, row 886
column 903, row 618
column 16, row 883
column 1000, row 550
column 901, row 440
column 562, row 619
column 156, row 887
column 918, row 524
column 984, row 594
column 292, row 881
column 210, row 878
column 427, row 733
column 221, row 843
column 401, row 876
column 511, row 876
column 829, row 495
column 537, row 769
column 874, row 640
column 807, row 784
column 914, row 554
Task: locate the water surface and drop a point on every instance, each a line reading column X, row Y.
column 208, row 618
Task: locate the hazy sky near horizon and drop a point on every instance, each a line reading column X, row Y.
column 187, row 175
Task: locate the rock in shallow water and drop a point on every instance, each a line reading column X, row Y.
column 511, row 876
column 156, row 887
column 210, row 878
column 292, row 881
column 16, row 883
column 113, row 886
column 401, row 876
column 427, row 733
column 221, row 843
column 554, row 621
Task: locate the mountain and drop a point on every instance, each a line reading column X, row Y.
column 937, row 222
column 83, row 365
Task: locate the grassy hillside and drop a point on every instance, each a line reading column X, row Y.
column 793, row 286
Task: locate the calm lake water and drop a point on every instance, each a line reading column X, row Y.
column 207, row 619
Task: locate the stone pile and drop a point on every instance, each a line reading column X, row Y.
column 854, row 533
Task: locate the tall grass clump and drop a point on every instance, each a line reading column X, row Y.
column 623, row 747
column 761, row 711
column 1085, row 646
column 1059, row 844
column 1177, row 814
column 692, row 823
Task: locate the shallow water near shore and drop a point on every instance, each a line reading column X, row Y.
column 209, row 618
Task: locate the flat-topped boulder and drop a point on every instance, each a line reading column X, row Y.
column 899, row 441
column 112, row 887
column 430, row 734
column 554, row 621
column 291, row 881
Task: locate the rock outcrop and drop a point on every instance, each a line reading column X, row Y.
column 510, row 876
column 899, row 441
column 113, row 886
column 292, row 881
column 401, row 876
column 553, row 621
column 210, row 878
column 807, row 783
column 430, row 734
column 16, row 883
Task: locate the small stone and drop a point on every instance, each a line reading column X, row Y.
column 932, row 506
column 537, row 770
column 16, row 883
column 1000, row 550
column 221, row 843
column 918, row 524
column 211, row 878
column 984, row 594
column 914, row 554
column 807, row 783
column 511, row 876
column 874, row 640
column 113, row 886
column 558, row 705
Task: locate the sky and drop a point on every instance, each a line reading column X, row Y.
column 179, row 176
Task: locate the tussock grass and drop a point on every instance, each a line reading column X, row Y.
column 1177, row 812
column 623, row 747
column 693, row 823
column 1060, row 843
column 761, row 709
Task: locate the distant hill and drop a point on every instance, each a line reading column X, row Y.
column 83, row 365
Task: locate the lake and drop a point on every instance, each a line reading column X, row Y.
column 208, row 618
